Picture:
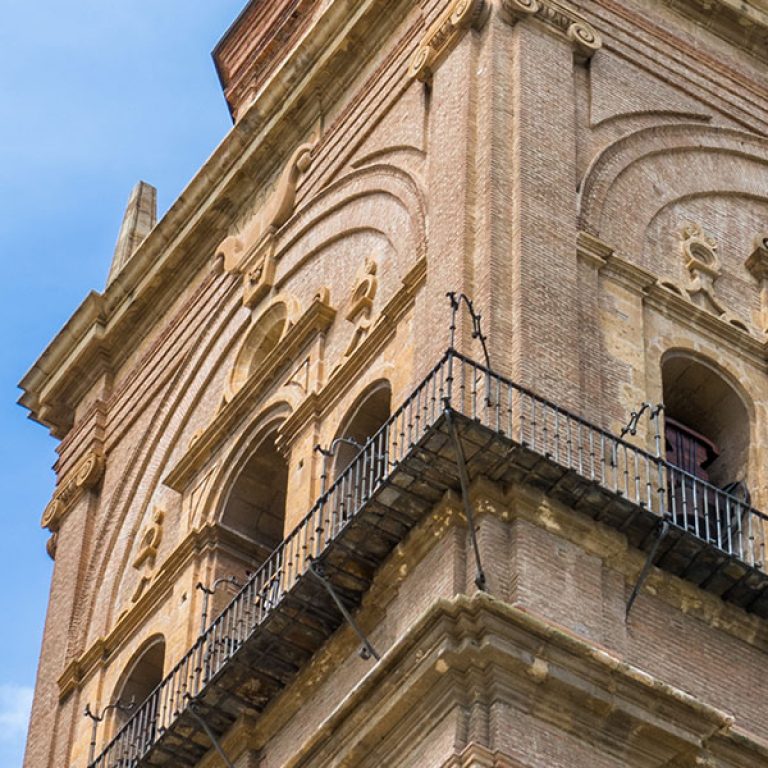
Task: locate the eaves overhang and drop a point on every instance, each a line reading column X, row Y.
column 102, row 331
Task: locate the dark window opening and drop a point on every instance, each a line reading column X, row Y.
column 255, row 508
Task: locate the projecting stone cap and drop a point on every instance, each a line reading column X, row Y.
column 139, row 219
column 757, row 261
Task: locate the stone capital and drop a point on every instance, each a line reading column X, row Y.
column 459, row 16
column 559, row 19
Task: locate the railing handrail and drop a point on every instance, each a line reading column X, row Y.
column 273, row 558
column 259, row 587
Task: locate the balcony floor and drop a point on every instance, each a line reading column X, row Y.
column 305, row 617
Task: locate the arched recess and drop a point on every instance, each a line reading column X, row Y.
column 254, row 508
column 707, row 421
column 379, row 199
column 248, row 500
column 640, row 174
column 363, row 419
column 143, row 673
column 263, row 337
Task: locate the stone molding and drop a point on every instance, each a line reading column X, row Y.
column 743, row 23
column 558, row 18
column 255, row 46
column 380, row 332
column 437, row 659
column 674, row 300
column 252, row 252
column 100, row 653
column 82, row 478
column 102, row 331
column 478, row 756
column 318, row 318
column 459, row 16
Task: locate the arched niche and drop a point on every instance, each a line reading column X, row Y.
column 379, row 202
column 645, row 172
column 262, row 339
column 254, row 507
column 707, row 421
column 141, row 676
column 365, row 417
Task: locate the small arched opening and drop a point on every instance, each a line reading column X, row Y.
column 707, row 422
column 363, row 420
column 255, row 507
column 142, row 675
column 707, row 431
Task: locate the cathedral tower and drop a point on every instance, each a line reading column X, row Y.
column 427, row 429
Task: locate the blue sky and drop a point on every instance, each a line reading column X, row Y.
column 94, row 96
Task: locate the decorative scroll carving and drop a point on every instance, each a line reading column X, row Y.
column 360, row 303
column 84, row 476
column 150, row 540
column 700, row 257
column 757, row 265
column 459, row 16
column 361, row 300
column 585, row 38
column 252, row 252
column 144, row 561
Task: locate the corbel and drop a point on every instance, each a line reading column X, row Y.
column 458, row 17
column 83, row 477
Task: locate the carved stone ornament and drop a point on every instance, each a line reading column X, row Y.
column 361, row 300
column 252, row 252
column 757, row 265
column 151, row 536
column 360, row 303
column 585, row 38
column 757, row 261
column 459, row 16
column 84, row 476
column 700, row 259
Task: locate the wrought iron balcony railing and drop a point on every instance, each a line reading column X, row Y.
column 535, row 439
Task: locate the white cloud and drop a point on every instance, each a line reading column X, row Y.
column 15, row 704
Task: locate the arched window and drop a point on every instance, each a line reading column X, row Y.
column 255, row 507
column 364, row 419
column 142, row 675
column 707, row 423
column 260, row 342
column 707, row 430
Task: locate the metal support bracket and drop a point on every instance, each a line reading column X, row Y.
column 663, row 530
column 209, row 733
column 468, row 511
column 367, row 651
column 477, row 328
column 634, row 418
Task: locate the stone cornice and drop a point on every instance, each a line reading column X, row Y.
column 558, row 18
column 743, row 23
column 317, row 319
column 104, row 328
column 255, row 44
column 573, row 682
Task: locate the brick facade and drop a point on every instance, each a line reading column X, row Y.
column 551, row 161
